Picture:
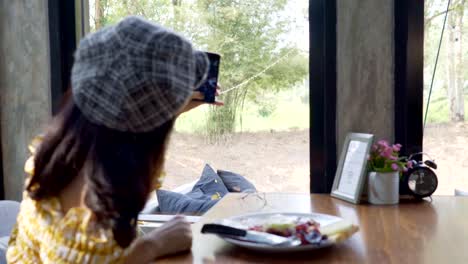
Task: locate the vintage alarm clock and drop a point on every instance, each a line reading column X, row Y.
column 421, row 180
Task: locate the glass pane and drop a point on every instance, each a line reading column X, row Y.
column 262, row 132
column 446, row 131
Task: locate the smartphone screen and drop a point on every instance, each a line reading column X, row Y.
column 208, row 88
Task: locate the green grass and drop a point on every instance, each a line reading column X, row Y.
column 286, row 116
column 283, row 112
column 193, row 121
column 439, row 108
column 286, row 111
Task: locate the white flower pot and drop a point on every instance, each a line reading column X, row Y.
column 383, row 187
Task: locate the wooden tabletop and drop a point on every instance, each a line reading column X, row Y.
column 411, row 232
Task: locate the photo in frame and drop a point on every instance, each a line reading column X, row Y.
column 351, row 172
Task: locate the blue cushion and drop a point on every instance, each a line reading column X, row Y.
column 177, row 203
column 236, row 182
column 197, row 194
column 203, row 196
column 210, row 183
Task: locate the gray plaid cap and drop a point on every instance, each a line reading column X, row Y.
column 135, row 76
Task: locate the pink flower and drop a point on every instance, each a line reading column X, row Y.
column 387, row 153
column 409, row 164
column 383, row 143
column 405, row 169
column 395, row 167
column 393, row 157
column 397, row 147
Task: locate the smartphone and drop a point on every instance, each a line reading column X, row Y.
column 208, row 88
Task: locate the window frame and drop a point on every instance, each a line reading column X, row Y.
column 62, row 40
column 322, row 71
column 409, row 76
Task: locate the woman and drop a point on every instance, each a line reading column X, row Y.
column 103, row 152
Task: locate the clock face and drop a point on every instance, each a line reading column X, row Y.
column 422, row 181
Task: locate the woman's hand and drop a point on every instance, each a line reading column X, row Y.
column 196, row 100
column 173, row 237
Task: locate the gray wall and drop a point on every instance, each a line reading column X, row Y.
column 365, row 68
column 24, row 83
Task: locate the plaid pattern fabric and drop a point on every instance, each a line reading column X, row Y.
column 43, row 235
column 135, row 76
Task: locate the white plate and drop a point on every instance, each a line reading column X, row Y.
column 249, row 220
column 148, row 222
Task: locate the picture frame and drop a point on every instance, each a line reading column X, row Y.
column 351, row 172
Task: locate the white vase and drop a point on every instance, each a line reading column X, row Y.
column 383, row 187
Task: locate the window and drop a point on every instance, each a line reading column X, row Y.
column 446, row 131
column 263, row 130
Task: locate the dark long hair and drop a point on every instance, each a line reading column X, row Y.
column 119, row 167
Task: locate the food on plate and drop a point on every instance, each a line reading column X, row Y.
column 306, row 230
column 339, row 231
column 282, row 229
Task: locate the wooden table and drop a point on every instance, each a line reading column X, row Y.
column 412, row 232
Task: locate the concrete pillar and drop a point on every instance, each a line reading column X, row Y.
column 24, row 84
column 365, row 68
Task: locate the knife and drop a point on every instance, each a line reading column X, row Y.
column 248, row 235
